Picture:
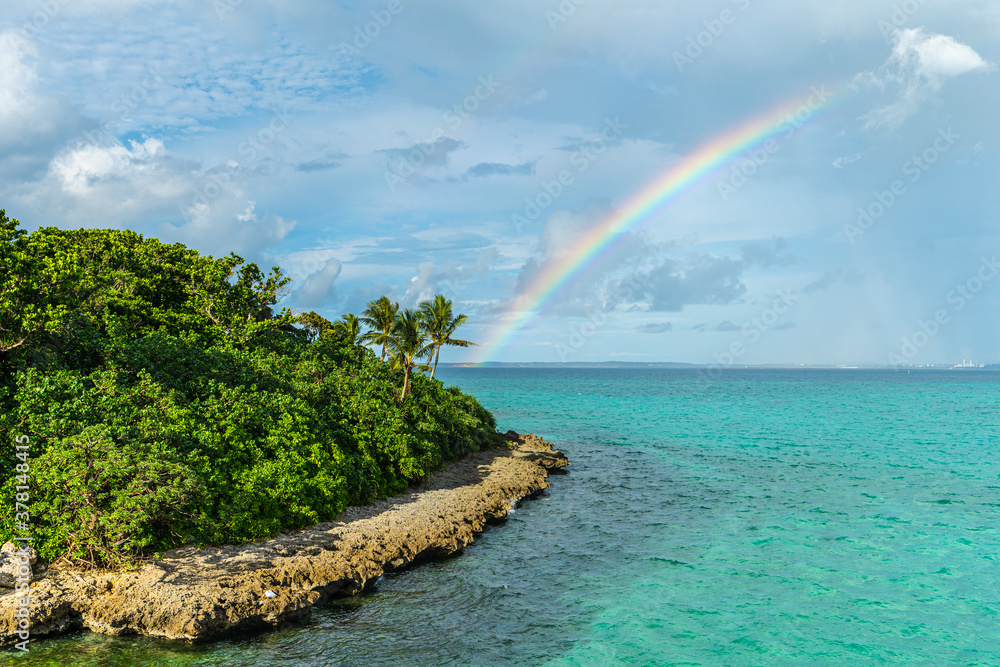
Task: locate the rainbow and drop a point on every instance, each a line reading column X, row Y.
column 781, row 120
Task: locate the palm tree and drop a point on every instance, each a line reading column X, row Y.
column 439, row 323
column 380, row 317
column 408, row 343
column 349, row 326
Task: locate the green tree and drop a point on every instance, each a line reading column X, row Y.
column 316, row 325
column 380, row 318
column 240, row 308
column 168, row 405
column 113, row 499
column 409, row 342
column 440, row 324
column 36, row 287
column 349, row 327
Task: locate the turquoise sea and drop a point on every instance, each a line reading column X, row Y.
column 762, row 518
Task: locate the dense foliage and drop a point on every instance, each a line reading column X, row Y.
column 168, row 403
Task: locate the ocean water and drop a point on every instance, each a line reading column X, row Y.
column 762, row 518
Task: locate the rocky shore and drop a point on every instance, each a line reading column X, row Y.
column 197, row 594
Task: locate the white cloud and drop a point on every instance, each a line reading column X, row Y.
column 318, row 289
column 228, row 224
column 937, row 56
column 32, row 124
column 88, row 167
column 168, row 69
column 301, row 264
column 142, row 185
column 918, row 67
column 17, row 81
column 635, row 273
column 537, row 96
column 115, row 184
column 454, row 279
column 421, row 286
column 842, row 162
column 248, row 214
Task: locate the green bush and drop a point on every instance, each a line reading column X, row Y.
column 167, row 403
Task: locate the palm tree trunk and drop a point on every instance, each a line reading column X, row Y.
column 406, row 382
column 437, row 355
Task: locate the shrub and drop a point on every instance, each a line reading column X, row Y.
column 167, row 403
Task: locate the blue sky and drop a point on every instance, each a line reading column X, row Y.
column 385, row 147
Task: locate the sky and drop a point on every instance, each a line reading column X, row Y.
column 471, row 149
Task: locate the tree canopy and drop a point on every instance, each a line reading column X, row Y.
column 168, row 400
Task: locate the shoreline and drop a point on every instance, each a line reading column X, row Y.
column 202, row 594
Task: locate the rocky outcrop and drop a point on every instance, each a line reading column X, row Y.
column 12, row 562
column 194, row 594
